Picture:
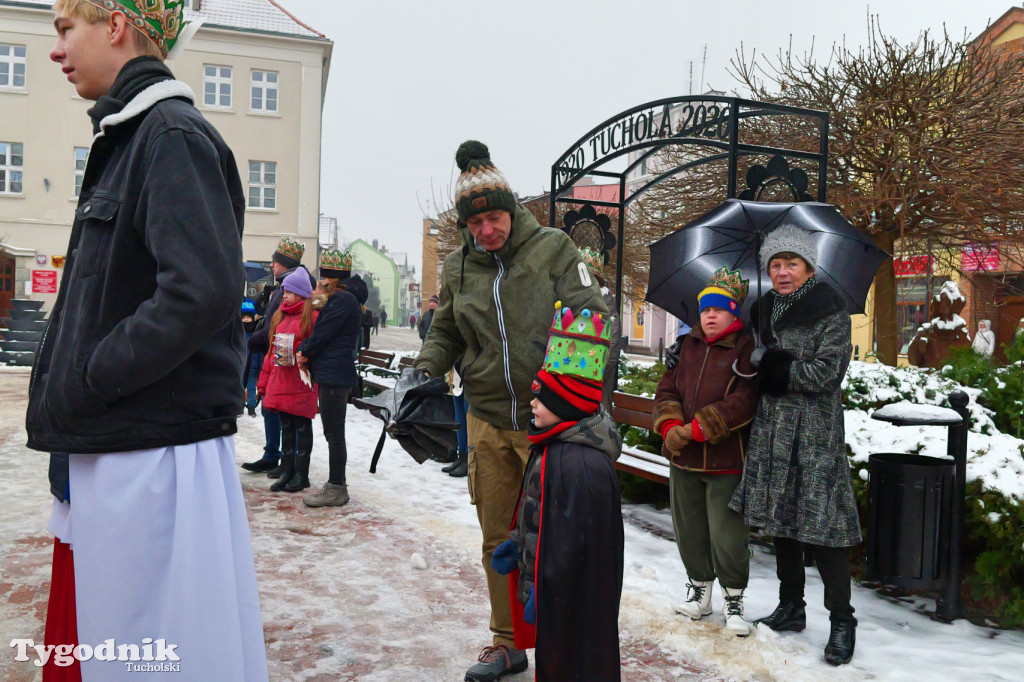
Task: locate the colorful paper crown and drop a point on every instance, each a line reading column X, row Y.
column 161, row 21
column 578, row 346
column 594, row 260
column 289, row 252
column 726, row 290
column 334, row 263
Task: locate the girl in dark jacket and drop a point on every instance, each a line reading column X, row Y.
column 330, row 353
column 702, row 409
column 284, row 388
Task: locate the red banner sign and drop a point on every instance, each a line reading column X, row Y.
column 44, row 281
column 978, row 257
column 912, row 265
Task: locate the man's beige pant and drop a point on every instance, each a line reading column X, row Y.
column 497, row 462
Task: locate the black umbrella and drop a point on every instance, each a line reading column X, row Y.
column 254, row 272
column 732, row 234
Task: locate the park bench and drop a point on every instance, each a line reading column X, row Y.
column 374, row 368
column 638, row 411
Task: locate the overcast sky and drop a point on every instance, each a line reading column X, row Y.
column 411, row 79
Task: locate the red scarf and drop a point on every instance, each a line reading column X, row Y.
column 736, row 326
column 540, row 435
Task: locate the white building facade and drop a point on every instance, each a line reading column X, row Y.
column 259, row 75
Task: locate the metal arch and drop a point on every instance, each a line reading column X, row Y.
column 564, row 177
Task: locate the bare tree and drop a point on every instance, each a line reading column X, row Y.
column 924, row 142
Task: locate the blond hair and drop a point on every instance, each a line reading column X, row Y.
column 94, row 14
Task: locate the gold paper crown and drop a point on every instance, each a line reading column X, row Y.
column 335, row 259
column 291, row 249
column 159, row 20
column 592, row 259
column 731, row 281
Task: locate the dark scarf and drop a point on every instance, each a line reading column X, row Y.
column 781, row 304
column 135, row 76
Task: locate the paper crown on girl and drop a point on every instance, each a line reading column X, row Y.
column 593, row 259
column 578, row 346
column 726, row 290
column 335, row 263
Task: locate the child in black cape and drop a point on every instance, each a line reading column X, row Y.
column 564, row 553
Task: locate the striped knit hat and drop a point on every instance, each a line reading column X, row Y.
column 726, row 290
column 481, row 186
column 567, row 396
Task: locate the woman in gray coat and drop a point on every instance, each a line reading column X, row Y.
column 796, row 482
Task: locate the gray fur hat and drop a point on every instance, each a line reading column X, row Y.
column 789, row 239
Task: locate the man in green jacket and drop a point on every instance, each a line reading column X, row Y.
column 494, row 292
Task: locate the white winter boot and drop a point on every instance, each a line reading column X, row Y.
column 734, row 622
column 698, row 604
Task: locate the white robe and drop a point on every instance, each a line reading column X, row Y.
column 161, row 550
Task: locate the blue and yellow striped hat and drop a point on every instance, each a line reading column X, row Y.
column 726, row 290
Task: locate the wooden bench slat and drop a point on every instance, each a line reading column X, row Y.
column 636, row 410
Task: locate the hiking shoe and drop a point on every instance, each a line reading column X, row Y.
column 251, row 410
column 734, row 622
column 841, row 641
column 330, row 495
column 495, row 662
column 260, row 465
column 789, row 615
column 698, row 604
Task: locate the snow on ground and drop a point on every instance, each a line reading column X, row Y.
column 896, row 638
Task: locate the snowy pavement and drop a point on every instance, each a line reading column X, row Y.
column 345, row 598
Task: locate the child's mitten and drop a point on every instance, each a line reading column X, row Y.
column 530, row 609
column 506, row 557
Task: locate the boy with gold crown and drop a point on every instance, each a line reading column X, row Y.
column 703, row 409
column 564, row 552
column 139, row 375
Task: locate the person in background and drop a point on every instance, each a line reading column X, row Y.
column 796, row 483
column 984, row 340
column 285, row 260
column 1018, row 333
column 702, row 410
column 139, row 373
column 284, row 388
column 594, row 261
column 330, row 353
column 368, row 324
column 459, row 468
column 383, row 317
column 428, row 317
column 508, row 268
column 254, row 361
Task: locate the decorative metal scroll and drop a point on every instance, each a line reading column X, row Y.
column 590, row 229
column 776, row 183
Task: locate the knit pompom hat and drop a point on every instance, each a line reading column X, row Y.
column 789, row 239
column 298, row 283
column 568, row 397
column 480, row 186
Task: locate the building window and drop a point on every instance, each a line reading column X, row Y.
column 11, row 163
column 262, row 184
column 264, row 91
column 217, row 86
column 81, row 155
column 12, row 66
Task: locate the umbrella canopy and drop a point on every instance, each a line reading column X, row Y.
column 254, row 272
column 732, row 234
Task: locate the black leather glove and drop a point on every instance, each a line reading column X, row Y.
column 672, row 353
column 773, row 372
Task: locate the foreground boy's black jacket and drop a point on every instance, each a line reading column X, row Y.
column 568, row 529
column 144, row 344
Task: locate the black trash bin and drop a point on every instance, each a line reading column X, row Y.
column 910, row 520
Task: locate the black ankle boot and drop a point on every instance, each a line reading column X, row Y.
column 276, row 471
column 300, row 479
column 287, row 471
column 788, row 615
column 460, row 458
column 841, row 642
